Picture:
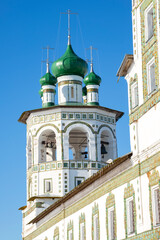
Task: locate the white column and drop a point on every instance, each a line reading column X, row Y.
column 92, row 148
column 59, row 147
column 66, row 146
column 99, row 147
column 36, row 151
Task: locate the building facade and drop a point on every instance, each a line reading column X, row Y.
column 77, row 187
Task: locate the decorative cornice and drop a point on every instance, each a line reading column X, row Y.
column 24, row 116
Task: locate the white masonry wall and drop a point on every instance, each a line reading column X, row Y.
column 65, row 84
column 143, row 224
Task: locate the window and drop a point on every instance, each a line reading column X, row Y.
column 70, row 235
column 47, row 185
column 82, row 231
column 72, row 92
column 149, row 22
column 156, row 206
column 130, row 215
column 134, row 93
column 78, row 180
column 96, row 229
column 111, row 229
column 151, row 76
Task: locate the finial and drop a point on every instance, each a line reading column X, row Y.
column 47, row 59
column 91, row 48
column 47, row 69
column 69, row 25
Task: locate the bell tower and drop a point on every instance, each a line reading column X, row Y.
column 66, row 142
column 141, row 70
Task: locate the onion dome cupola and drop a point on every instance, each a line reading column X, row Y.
column 92, row 82
column 69, row 64
column 84, row 93
column 47, row 91
column 69, row 71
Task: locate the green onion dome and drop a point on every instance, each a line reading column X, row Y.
column 69, row 64
column 84, row 91
column 92, row 79
column 41, row 92
column 48, row 79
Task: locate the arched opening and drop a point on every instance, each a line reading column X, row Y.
column 78, row 144
column 47, row 146
column 107, row 147
column 29, row 152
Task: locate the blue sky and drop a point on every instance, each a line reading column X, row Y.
column 26, row 27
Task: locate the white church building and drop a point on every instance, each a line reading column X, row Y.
column 77, row 186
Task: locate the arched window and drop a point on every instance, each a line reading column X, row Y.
column 78, row 144
column 107, row 146
column 47, row 146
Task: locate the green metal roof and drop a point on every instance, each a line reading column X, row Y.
column 41, row 92
column 48, row 79
column 69, row 64
column 92, row 79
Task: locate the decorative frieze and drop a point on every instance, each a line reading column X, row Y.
column 71, row 116
column 79, row 164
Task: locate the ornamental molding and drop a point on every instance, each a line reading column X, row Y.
column 70, row 116
column 110, row 202
column 79, row 122
column 56, row 233
column 129, row 192
column 95, row 211
column 70, row 227
column 82, row 220
column 154, row 177
column 145, row 107
column 67, row 82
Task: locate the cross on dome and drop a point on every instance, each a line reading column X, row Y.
column 69, row 24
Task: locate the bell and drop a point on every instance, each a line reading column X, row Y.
column 103, row 149
column 85, row 154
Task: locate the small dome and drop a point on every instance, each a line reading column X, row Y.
column 92, row 79
column 84, row 91
column 48, row 79
column 41, row 92
column 69, row 64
